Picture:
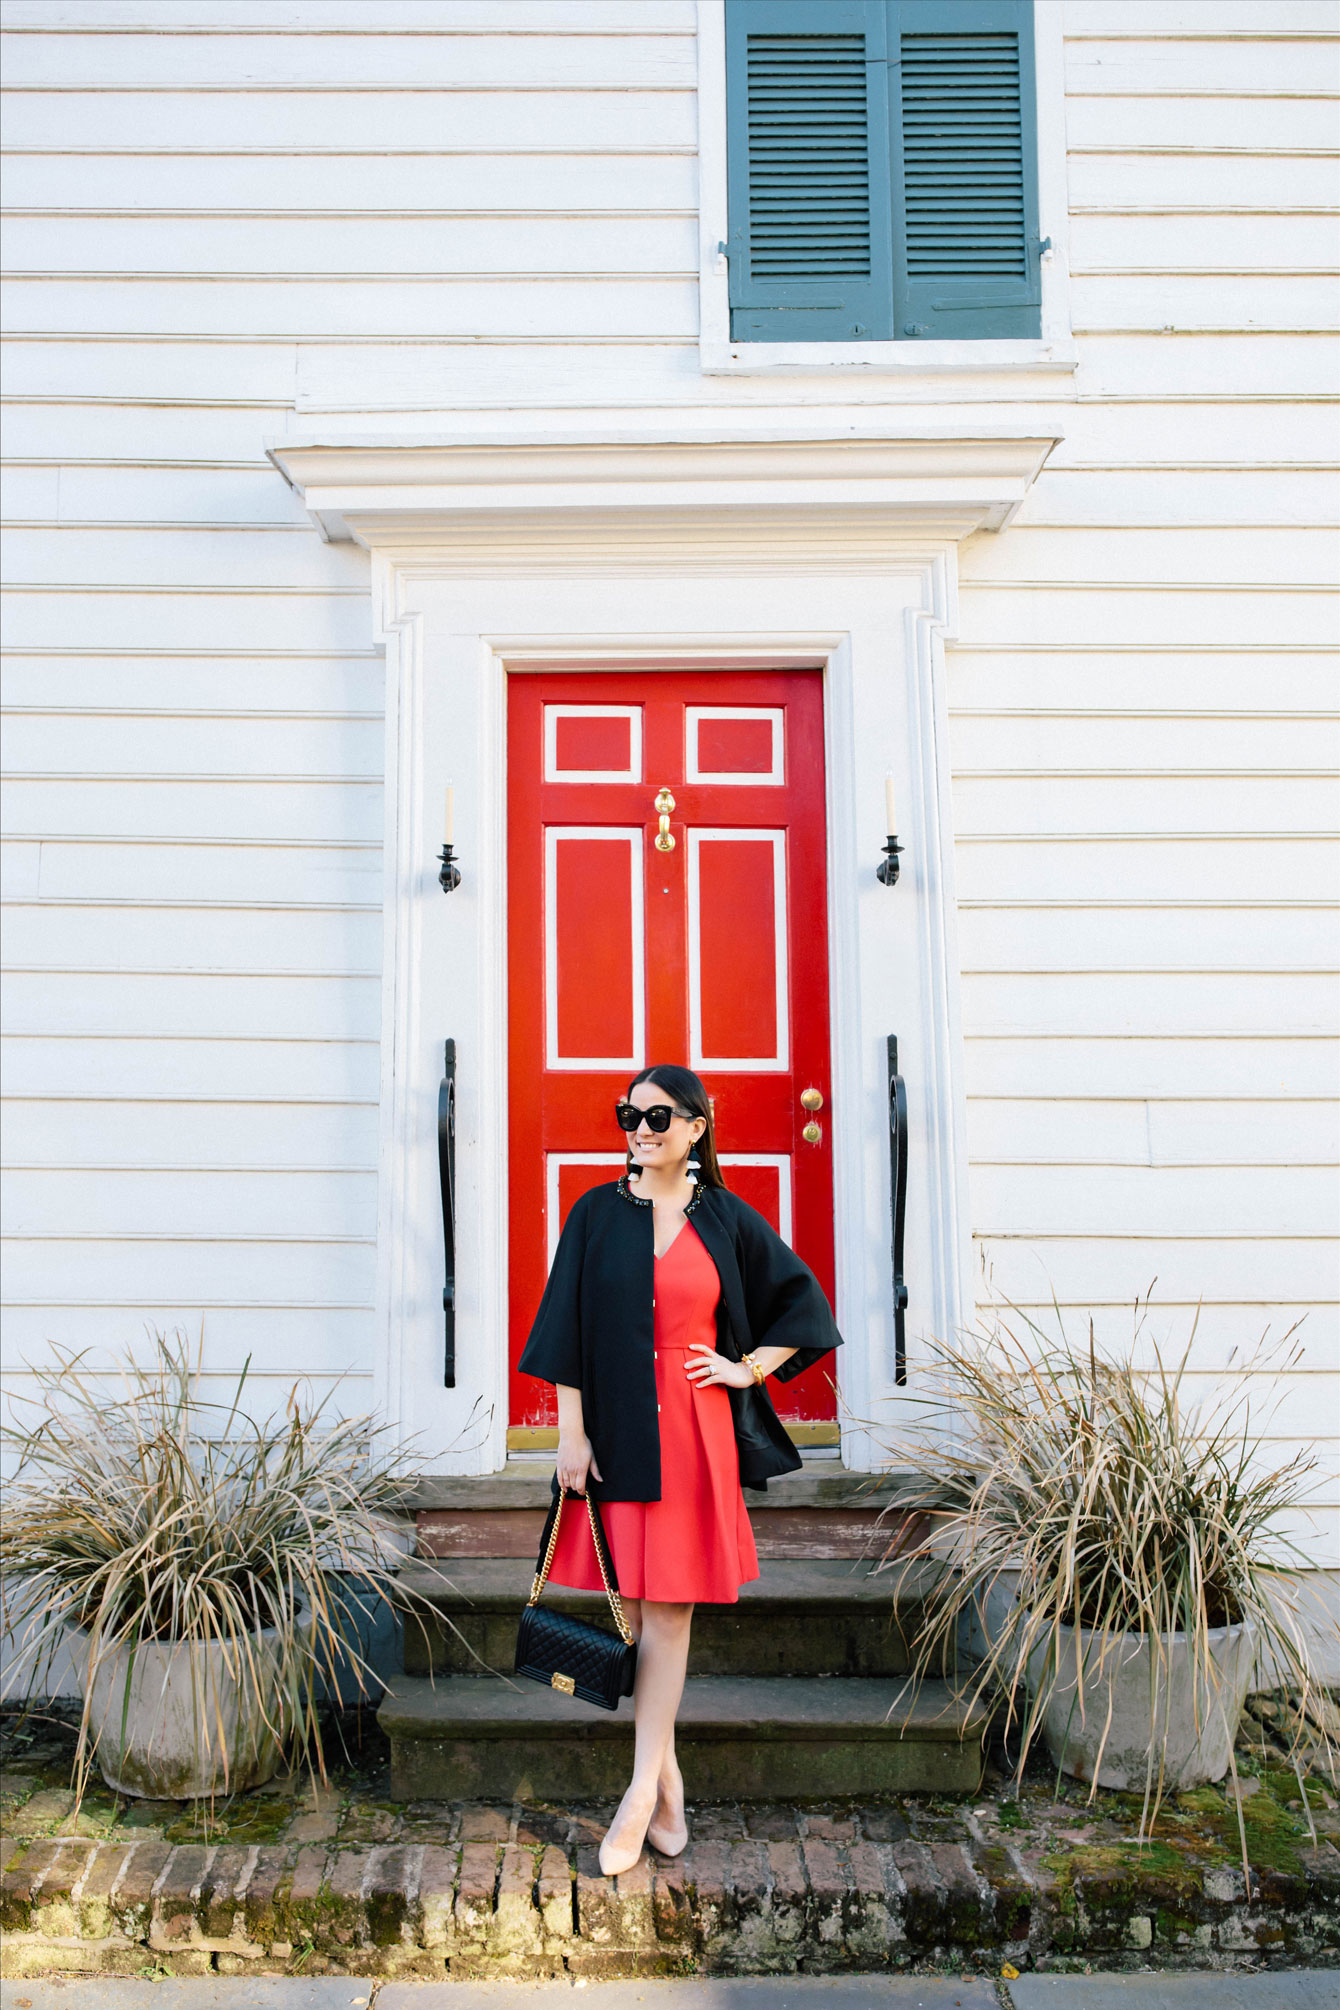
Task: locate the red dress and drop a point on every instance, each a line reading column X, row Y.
column 695, row 1544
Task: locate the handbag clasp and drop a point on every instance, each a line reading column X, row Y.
column 563, row 1682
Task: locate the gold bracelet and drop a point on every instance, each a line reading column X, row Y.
column 752, row 1365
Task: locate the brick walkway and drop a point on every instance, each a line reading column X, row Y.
column 296, row 1879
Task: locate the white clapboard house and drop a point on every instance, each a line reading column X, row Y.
column 566, row 424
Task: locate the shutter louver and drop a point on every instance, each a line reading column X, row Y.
column 964, row 165
column 809, row 157
column 810, row 232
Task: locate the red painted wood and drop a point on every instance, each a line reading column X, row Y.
column 562, row 1102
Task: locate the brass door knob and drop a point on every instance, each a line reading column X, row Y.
column 812, row 1099
column 812, row 1133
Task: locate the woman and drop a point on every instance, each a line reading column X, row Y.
column 668, row 1304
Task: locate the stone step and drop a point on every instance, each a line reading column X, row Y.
column 799, row 1619
column 821, row 1511
column 525, row 1483
column 468, row 1737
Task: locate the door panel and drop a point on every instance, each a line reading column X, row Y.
column 712, row 952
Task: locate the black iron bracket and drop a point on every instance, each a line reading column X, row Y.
column 898, row 1207
column 446, row 1166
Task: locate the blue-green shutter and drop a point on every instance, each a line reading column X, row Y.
column 963, row 141
column 811, row 233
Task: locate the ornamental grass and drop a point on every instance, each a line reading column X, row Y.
column 1074, row 1499
column 140, row 1510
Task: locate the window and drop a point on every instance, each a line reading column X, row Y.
column 882, row 170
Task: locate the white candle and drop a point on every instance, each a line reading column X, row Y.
column 449, row 817
column 890, row 815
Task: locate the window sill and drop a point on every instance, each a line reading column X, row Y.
column 965, row 361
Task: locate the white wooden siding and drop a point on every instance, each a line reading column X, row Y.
column 233, row 218
column 1142, row 709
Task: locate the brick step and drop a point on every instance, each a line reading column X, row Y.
column 799, row 1619
column 769, row 1738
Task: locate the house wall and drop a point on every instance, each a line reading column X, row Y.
column 234, row 222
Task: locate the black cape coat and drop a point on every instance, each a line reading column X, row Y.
column 593, row 1330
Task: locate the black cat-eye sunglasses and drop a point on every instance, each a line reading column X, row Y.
column 657, row 1118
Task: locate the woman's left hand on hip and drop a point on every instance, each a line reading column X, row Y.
column 704, row 1366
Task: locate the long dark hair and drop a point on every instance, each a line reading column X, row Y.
column 689, row 1096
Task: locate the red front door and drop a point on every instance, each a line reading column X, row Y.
column 712, row 953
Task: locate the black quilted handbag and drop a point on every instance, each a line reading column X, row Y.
column 565, row 1653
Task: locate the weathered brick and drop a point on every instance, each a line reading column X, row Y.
column 825, row 1826
column 672, row 1902
column 967, row 1924
column 871, row 1922
column 175, row 1894
column 1322, row 1868
column 597, row 1916
column 52, row 1911
column 633, row 1894
column 883, row 1825
column 218, row 1904
column 481, row 1823
column 92, row 1908
column 20, row 1881
column 343, row 1918
column 707, row 1867
column 474, row 1896
column 386, row 1894
column 924, row 1901
column 132, row 1894
column 544, row 1826
column 516, row 1920
column 437, row 1891
column 750, row 1901
column 301, row 1911
column 554, row 1886
column 828, row 1889
column 790, row 1891
column 40, row 1814
column 262, row 1902
column 1011, row 1894
column 724, row 1823
column 770, row 1824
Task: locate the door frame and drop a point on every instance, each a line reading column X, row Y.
column 876, row 630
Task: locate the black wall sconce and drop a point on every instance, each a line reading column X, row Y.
column 450, row 876
column 886, row 872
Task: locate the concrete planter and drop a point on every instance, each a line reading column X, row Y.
column 161, row 1729
column 1076, row 1712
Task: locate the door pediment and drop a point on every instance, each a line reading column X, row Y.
column 846, row 491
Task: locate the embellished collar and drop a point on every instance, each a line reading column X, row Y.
column 639, row 1200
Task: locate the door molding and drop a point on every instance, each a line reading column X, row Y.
column 801, row 554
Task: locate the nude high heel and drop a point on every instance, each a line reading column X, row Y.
column 613, row 1859
column 670, row 1842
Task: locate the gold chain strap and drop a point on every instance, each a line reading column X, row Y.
column 541, row 1575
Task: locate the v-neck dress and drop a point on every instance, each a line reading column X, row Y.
column 695, row 1544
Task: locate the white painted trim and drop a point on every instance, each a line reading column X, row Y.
column 760, row 494
column 1054, row 356
column 451, row 643
column 552, row 771
column 553, row 837
column 785, row 1167
column 553, row 1166
column 760, row 1065
column 694, row 772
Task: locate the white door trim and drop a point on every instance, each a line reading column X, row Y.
column 451, row 642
